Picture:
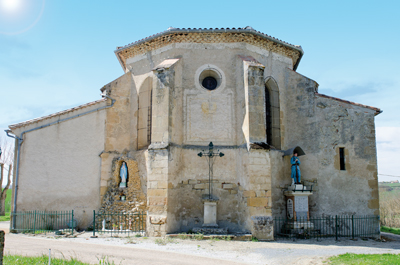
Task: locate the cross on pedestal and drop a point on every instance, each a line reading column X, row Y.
column 210, row 155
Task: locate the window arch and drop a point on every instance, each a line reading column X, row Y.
column 272, row 113
column 145, row 113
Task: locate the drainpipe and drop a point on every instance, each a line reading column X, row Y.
column 20, row 140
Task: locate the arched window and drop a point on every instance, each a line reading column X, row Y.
column 272, row 114
column 145, row 114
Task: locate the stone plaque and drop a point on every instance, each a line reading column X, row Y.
column 301, row 216
column 290, row 209
column 301, row 204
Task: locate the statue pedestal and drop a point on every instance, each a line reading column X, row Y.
column 297, row 202
column 297, row 207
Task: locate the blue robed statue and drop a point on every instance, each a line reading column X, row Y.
column 296, row 176
column 123, row 174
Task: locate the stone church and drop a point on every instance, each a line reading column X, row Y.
column 182, row 89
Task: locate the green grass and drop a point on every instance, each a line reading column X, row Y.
column 390, row 230
column 22, row 260
column 389, row 184
column 365, row 259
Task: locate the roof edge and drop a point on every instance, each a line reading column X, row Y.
column 28, row 122
column 377, row 110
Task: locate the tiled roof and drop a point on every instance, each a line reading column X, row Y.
column 21, row 124
column 377, row 111
column 208, row 30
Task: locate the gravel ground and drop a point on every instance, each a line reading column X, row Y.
column 186, row 251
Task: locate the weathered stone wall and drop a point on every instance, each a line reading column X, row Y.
column 320, row 126
column 121, row 126
column 186, row 117
column 135, row 198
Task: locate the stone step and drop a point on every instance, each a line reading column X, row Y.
column 238, row 237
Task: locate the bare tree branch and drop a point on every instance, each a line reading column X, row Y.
column 1, row 178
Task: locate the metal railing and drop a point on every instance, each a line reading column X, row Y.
column 43, row 221
column 327, row 226
column 119, row 223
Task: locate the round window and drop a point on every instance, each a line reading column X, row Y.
column 210, row 79
column 209, row 83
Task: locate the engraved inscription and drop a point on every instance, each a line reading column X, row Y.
column 301, row 203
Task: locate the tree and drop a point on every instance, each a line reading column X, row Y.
column 6, row 160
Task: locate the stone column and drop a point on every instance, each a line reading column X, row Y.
column 254, row 88
column 158, row 154
column 258, row 193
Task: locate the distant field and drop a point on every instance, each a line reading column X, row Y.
column 388, row 191
column 389, row 204
column 389, row 184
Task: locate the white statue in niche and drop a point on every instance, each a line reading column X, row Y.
column 123, row 174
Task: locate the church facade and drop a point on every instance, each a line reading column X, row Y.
column 182, row 89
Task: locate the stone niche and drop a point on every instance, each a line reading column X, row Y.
column 134, row 199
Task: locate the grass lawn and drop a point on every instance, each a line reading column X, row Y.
column 8, row 206
column 367, row 259
column 390, row 230
column 22, row 260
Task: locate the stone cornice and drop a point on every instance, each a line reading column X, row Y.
column 246, row 35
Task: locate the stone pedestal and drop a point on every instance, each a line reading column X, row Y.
column 297, row 207
column 297, row 202
column 210, row 213
column 263, row 228
column 210, row 225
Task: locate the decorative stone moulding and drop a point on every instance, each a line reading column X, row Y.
column 202, row 37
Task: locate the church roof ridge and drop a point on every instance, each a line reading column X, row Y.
column 25, row 123
column 246, row 29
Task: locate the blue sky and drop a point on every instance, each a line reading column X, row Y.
column 58, row 54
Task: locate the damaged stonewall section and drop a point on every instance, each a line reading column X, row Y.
column 203, row 132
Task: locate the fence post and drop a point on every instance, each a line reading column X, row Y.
column 34, row 223
column 336, row 228
column 94, row 223
column 352, row 227
column 72, row 221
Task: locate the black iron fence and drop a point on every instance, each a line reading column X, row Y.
column 327, row 226
column 43, row 221
column 119, row 223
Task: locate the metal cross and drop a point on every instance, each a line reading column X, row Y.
column 210, row 155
